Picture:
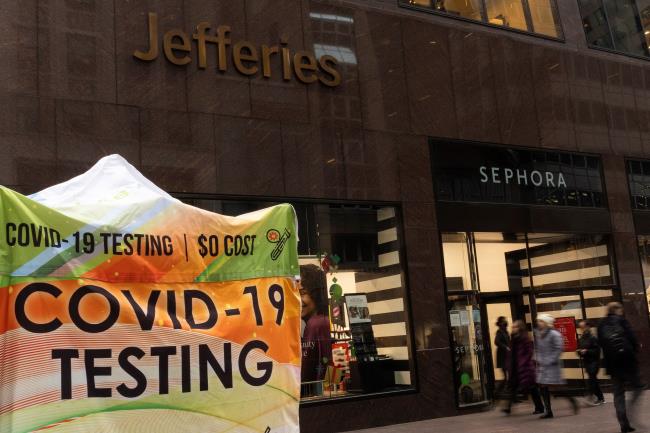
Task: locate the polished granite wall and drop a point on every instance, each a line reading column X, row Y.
column 71, row 92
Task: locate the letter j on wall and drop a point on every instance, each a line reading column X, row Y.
column 169, row 317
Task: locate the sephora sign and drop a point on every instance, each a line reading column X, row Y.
column 522, row 177
column 478, row 173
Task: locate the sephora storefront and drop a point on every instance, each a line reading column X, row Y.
column 449, row 162
column 509, row 251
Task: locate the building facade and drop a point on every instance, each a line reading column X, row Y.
column 450, row 161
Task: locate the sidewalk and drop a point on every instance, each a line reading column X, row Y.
column 599, row 419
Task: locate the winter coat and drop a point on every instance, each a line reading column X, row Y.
column 618, row 366
column 522, row 366
column 502, row 342
column 591, row 359
column 549, row 345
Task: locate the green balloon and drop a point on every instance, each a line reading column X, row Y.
column 336, row 291
column 464, row 379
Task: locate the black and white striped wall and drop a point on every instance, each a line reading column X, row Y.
column 384, row 288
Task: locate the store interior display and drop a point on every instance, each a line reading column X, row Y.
column 352, row 364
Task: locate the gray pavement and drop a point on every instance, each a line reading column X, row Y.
column 598, row 419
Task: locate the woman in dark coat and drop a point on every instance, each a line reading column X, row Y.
column 502, row 343
column 522, row 367
column 589, row 351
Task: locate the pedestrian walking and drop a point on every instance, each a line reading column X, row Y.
column 589, row 352
column 502, row 343
column 620, row 349
column 522, row 368
column 549, row 346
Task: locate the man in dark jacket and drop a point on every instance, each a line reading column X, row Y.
column 589, row 351
column 620, row 348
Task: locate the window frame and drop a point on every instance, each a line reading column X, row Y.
column 408, row 309
column 527, row 15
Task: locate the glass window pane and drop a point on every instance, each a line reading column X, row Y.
column 626, row 27
column 455, row 249
column 644, row 13
column 561, row 261
column 502, row 261
column 544, row 17
column 594, row 22
column 507, row 13
column 596, row 303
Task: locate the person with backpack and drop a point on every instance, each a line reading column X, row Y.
column 549, row 347
column 589, row 351
column 620, row 348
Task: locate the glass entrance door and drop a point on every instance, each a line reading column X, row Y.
column 511, row 308
column 468, row 348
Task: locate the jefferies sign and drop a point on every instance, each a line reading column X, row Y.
column 468, row 172
column 247, row 58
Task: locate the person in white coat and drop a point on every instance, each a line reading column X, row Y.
column 549, row 345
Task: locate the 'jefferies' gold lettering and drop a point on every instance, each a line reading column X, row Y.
column 246, row 58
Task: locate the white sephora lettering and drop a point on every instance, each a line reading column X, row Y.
column 509, row 176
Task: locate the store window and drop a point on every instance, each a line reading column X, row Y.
column 355, row 338
column 638, row 174
column 619, row 25
column 493, row 275
column 534, row 16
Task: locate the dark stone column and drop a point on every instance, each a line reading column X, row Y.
column 630, row 277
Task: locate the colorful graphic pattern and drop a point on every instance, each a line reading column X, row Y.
column 124, row 309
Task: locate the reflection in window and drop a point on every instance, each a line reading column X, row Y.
column 354, row 313
column 340, row 53
column 617, row 24
column 535, row 16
